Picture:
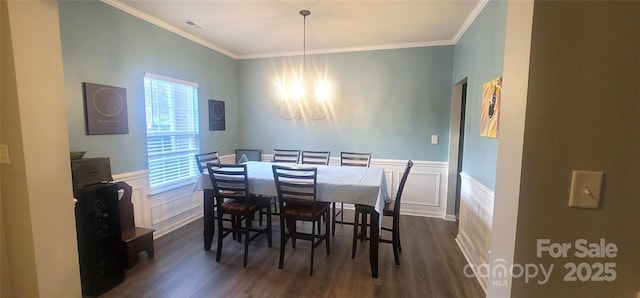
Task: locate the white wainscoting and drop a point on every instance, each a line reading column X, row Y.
column 425, row 191
column 474, row 229
column 424, row 194
column 165, row 211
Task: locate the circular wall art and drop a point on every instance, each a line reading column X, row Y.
column 107, row 102
column 105, row 109
column 216, row 115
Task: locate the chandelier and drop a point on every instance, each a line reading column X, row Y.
column 303, row 94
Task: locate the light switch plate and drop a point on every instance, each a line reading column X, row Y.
column 434, row 139
column 586, row 187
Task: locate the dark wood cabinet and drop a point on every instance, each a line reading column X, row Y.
column 101, row 252
column 88, row 171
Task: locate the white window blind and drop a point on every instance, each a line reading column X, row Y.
column 171, row 108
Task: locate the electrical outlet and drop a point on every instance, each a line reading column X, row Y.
column 4, row 154
column 586, row 187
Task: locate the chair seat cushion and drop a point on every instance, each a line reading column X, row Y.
column 238, row 206
column 305, row 211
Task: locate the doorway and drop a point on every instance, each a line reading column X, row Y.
column 463, row 105
column 456, row 148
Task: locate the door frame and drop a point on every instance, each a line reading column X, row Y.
column 454, row 145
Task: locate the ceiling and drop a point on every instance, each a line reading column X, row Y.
column 252, row 29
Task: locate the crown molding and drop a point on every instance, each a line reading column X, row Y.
column 352, row 49
column 164, row 25
column 141, row 15
column 472, row 17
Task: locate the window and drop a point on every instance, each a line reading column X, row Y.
column 171, row 108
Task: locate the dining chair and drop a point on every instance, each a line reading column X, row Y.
column 351, row 159
column 243, row 155
column 203, row 158
column 315, row 157
column 201, row 161
column 136, row 239
column 355, row 159
column 297, row 190
column 391, row 209
column 231, row 188
column 286, row 155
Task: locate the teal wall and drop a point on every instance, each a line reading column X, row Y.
column 478, row 56
column 101, row 44
column 387, row 102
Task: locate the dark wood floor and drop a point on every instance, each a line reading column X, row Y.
column 431, row 265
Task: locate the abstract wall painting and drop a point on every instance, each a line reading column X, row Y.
column 491, row 97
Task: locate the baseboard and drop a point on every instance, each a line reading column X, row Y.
column 450, row 217
column 176, row 225
column 465, row 252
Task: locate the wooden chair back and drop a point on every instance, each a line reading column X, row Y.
column 249, row 155
column 403, row 181
column 295, row 185
column 229, row 180
column 127, row 220
column 136, row 239
column 286, row 155
column 355, row 159
column 203, row 158
column 315, row 157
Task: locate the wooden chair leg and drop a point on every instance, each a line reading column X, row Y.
column 398, row 236
column 356, row 228
column 220, row 237
column 313, row 245
column 363, row 226
column 333, row 218
column 283, row 242
column 327, row 236
column 396, row 240
column 269, row 229
column 246, row 238
column 292, row 232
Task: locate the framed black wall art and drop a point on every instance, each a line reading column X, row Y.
column 105, row 109
column 216, row 115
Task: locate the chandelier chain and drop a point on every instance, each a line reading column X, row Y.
column 304, row 13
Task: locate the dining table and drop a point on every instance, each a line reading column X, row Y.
column 365, row 186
